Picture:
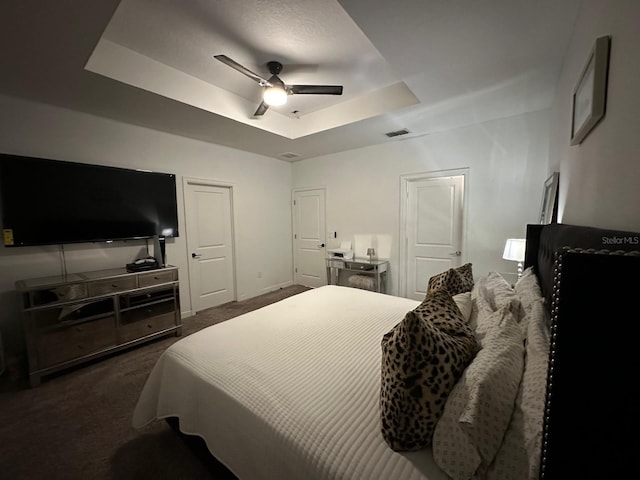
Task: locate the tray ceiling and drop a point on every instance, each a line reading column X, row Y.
column 422, row 66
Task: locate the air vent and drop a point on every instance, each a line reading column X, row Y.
column 289, row 155
column 404, row 131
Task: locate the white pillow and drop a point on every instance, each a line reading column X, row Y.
column 463, row 300
column 501, row 291
column 479, row 407
column 484, row 317
column 528, row 289
column 534, row 382
column 519, row 455
column 494, row 293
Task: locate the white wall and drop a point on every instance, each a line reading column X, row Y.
column 261, row 185
column 507, row 161
column 600, row 178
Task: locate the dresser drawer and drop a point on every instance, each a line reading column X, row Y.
column 140, row 325
column 48, row 318
column 63, row 344
column 156, row 277
column 359, row 266
column 335, row 263
column 60, row 293
column 101, row 287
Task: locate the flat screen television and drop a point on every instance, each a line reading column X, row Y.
column 47, row 202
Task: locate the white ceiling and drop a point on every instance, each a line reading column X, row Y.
column 423, row 65
column 137, row 49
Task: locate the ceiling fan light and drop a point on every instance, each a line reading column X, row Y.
column 274, row 96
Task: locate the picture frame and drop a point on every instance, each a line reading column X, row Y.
column 590, row 93
column 549, row 208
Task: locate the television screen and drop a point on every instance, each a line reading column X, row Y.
column 47, row 202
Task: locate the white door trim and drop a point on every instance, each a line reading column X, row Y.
column 405, row 181
column 212, row 183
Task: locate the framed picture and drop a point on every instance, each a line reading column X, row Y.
column 590, row 94
column 549, row 208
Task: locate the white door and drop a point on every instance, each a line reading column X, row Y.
column 434, row 230
column 208, row 215
column 309, row 238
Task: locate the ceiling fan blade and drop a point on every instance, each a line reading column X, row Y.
column 316, row 89
column 262, row 108
column 245, row 71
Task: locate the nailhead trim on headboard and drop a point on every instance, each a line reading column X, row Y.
column 555, row 296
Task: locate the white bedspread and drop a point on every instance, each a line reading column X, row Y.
column 289, row 391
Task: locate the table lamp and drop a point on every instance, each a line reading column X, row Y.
column 514, row 250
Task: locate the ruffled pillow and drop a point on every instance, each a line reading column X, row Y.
column 497, row 293
column 528, row 289
column 519, row 455
column 479, row 407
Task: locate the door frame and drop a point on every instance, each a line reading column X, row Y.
column 210, row 183
column 294, row 191
column 405, row 181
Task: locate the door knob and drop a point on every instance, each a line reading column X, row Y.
column 321, row 245
column 196, row 255
column 456, row 254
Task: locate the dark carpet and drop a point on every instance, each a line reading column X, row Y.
column 77, row 423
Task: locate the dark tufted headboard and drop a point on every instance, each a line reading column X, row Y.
column 543, row 241
column 590, row 279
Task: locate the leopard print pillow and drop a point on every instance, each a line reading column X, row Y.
column 422, row 359
column 455, row 280
column 466, row 276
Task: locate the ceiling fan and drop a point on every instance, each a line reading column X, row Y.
column 275, row 90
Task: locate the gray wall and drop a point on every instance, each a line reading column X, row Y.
column 507, row 161
column 261, row 197
column 600, row 178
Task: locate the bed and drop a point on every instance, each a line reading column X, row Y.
column 293, row 390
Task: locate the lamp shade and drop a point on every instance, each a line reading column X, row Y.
column 514, row 249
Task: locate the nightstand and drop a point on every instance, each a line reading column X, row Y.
column 372, row 273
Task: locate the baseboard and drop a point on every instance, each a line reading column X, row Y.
column 273, row 288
